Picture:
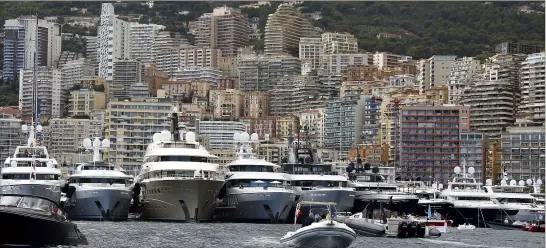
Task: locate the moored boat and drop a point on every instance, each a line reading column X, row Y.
column 322, row 234
column 36, row 221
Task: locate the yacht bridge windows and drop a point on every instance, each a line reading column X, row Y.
column 245, row 183
column 175, row 158
column 317, row 183
column 251, row 168
column 26, row 176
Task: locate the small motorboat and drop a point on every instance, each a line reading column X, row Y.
column 363, row 226
column 535, row 227
column 36, row 221
column 466, row 226
column 324, row 233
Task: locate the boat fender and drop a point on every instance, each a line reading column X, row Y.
column 64, row 189
column 402, row 229
column 70, row 191
column 421, row 230
column 411, row 230
column 434, row 233
column 136, row 194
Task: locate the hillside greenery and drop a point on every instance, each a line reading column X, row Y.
column 426, row 28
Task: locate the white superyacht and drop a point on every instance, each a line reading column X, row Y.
column 31, row 171
column 177, row 181
column 256, row 190
column 98, row 190
column 514, row 203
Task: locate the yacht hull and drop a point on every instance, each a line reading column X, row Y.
column 48, row 191
column 180, row 200
column 99, row 204
column 258, row 206
column 474, row 216
column 26, row 228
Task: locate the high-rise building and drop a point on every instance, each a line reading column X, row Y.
column 146, row 118
column 473, row 151
column 532, row 83
column 523, row 152
column 126, row 74
column 339, row 43
column 493, row 98
column 343, row 124
column 226, row 104
column 421, row 154
column 84, row 102
column 114, row 41
column 92, row 51
column 293, row 94
column 256, row 104
column 388, row 60
column 142, row 37
column 311, row 48
column 312, row 122
column 170, row 60
column 74, row 70
column 220, row 133
column 434, row 72
column 461, row 76
column 283, row 30
column 20, row 44
column 10, row 134
column 515, row 48
column 206, row 74
column 337, row 63
column 225, row 28
column 371, row 121
column 67, row 135
column 48, row 87
column 260, row 73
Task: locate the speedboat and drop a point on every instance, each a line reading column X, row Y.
column 466, row 226
column 177, row 181
column 326, row 233
column 36, row 221
column 98, row 190
column 256, row 190
column 31, row 170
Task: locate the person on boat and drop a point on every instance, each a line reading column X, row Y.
column 308, row 221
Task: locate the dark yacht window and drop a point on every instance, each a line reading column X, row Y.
column 98, row 180
column 26, row 176
column 177, row 159
column 319, row 183
column 253, row 168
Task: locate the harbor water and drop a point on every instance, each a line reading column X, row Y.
column 226, row 235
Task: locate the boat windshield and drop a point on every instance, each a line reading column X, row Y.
column 81, row 180
column 26, row 176
column 517, row 200
column 243, row 183
column 37, row 152
column 171, row 158
column 315, row 183
column 28, row 164
column 253, row 168
column 29, row 202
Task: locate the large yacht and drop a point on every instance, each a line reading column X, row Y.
column 470, row 202
column 313, row 181
column 98, row 190
column 256, row 190
column 373, row 191
column 514, row 203
column 177, row 182
column 31, row 171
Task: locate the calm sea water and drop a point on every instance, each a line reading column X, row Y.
column 158, row 234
